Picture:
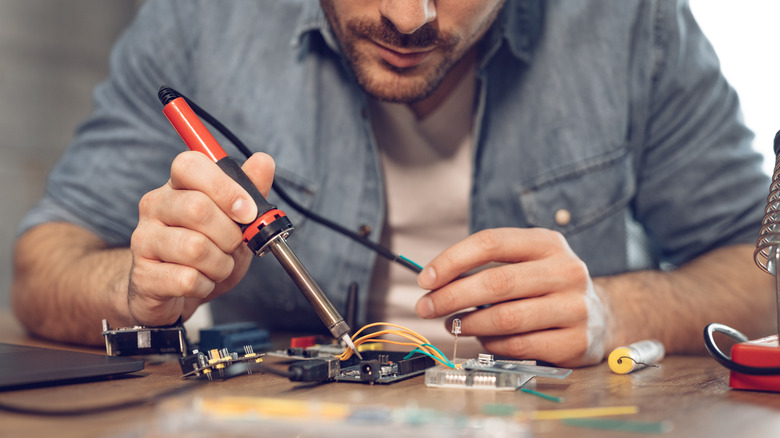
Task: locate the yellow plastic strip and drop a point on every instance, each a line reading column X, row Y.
column 237, row 406
column 557, row 414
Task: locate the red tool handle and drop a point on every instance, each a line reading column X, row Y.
column 270, row 221
column 194, row 133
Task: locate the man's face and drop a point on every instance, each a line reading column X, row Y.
column 401, row 50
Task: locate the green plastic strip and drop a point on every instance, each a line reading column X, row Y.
column 542, row 395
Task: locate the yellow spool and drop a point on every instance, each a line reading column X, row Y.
column 624, row 360
column 618, row 365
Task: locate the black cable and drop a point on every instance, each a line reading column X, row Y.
column 724, row 359
column 132, row 403
column 379, row 249
column 308, row 370
column 274, row 370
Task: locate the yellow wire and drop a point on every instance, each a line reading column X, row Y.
column 406, row 333
column 392, row 332
column 417, row 340
column 387, row 341
column 388, row 324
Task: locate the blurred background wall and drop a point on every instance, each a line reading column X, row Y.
column 52, row 53
column 746, row 37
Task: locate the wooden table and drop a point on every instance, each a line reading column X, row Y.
column 690, row 393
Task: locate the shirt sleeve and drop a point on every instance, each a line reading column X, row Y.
column 125, row 147
column 698, row 159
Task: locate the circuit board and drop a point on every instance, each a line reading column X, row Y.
column 383, row 367
column 377, row 366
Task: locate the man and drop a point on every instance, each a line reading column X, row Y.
column 567, row 151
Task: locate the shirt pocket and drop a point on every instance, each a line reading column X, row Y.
column 571, row 199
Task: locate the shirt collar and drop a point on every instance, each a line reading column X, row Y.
column 313, row 20
column 519, row 24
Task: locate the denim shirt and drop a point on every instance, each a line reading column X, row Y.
column 607, row 121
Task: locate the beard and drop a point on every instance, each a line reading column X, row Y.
column 387, row 82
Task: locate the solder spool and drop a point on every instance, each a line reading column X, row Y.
column 624, row 360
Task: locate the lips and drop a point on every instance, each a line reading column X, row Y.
column 402, row 60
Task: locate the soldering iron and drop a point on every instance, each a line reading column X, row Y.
column 269, row 231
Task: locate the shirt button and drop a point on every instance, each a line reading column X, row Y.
column 562, row 217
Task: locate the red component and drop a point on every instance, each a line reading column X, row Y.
column 192, row 130
column 262, row 221
column 762, row 352
column 303, row 342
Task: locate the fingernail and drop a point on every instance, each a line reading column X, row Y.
column 427, row 278
column 241, row 211
column 424, row 307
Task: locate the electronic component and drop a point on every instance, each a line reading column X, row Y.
column 315, row 370
column 331, row 362
column 377, row 366
column 383, row 367
column 222, row 362
column 234, row 336
column 303, row 341
column 455, row 331
column 485, row 362
column 445, row 377
column 313, row 364
column 140, row 340
column 298, row 351
column 489, row 374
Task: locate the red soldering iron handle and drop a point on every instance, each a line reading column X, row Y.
column 270, row 222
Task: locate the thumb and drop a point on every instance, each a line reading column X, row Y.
column 260, row 169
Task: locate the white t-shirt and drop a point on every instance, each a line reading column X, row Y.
column 427, row 166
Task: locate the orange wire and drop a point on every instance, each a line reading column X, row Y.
column 416, row 338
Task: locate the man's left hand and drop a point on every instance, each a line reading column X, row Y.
column 538, row 303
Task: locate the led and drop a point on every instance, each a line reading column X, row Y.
column 456, row 332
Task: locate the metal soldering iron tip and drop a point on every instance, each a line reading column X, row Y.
column 351, row 345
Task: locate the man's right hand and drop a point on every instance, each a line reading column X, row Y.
column 187, row 248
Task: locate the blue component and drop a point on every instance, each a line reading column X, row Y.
column 234, row 336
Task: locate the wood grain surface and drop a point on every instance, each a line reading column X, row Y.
column 690, row 393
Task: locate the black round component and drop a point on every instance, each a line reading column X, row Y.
column 370, row 370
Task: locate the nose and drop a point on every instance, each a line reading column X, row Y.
column 408, row 15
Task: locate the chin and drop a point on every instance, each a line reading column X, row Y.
column 397, row 86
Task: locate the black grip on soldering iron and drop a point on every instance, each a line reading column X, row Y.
column 233, row 170
column 269, row 222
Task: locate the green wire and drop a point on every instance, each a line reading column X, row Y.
column 417, row 350
column 410, row 261
column 542, row 395
column 452, row 365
